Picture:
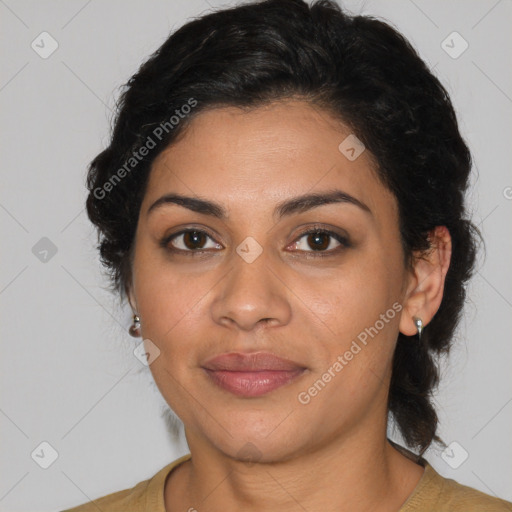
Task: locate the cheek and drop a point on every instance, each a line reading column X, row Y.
column 165, row 294
column 172, row 309
column 354, row 297
column 173, row 319
column 361, row 309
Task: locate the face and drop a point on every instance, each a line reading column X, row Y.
column 275, row 315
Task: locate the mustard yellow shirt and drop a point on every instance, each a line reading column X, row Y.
column 433, row 493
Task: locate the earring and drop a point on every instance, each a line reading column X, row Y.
column 418, row 322
column 135, row 327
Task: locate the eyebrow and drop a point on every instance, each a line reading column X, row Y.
column 296, row 204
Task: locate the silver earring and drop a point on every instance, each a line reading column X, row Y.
column 135, row 327
column 418, row 322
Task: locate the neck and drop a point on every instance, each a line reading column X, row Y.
column 354, row 475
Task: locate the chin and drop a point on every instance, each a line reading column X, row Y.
column 257, row 437
column 256, row 450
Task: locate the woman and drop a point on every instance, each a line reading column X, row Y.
column 282, row 204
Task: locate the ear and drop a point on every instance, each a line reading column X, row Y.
column 128, row 281
column 426, row 284
column 131, row 297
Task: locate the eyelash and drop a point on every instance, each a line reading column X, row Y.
column 344, row 242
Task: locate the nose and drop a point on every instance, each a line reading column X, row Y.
column 251, row 295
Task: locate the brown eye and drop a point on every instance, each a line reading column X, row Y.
column 194, row 239
column 191, row 241
column 320, row 241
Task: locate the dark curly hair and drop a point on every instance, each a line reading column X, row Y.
column 357, row 68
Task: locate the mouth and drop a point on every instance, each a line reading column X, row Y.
column 251, row 375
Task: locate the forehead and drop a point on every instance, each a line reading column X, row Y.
column 259, row 157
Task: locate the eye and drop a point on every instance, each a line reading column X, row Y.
column 190, row 240
column 321, row 241
column 314, row 240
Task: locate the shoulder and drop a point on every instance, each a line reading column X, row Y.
column 456, row 496
column 128, row 499
column 435, row 492
column 146, row 495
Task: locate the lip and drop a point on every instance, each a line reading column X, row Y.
column 251, row 375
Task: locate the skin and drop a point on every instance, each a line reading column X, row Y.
column 332, row 453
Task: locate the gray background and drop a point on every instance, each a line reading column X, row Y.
column 68, row 374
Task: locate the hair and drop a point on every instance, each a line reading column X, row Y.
column 357, row 68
